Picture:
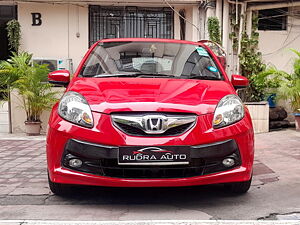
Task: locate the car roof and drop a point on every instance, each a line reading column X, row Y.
column 150, row 40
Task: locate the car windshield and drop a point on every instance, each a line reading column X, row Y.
column 150, row 59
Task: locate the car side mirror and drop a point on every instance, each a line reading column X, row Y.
column 239, row 81
column 59, row 77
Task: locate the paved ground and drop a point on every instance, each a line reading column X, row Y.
column 275, row 194
column 152, row 222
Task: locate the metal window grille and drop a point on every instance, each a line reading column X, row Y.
column 123, row 22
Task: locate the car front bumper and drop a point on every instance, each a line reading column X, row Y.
column 208, row 148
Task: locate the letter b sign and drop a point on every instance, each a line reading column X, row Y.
column 36, row 19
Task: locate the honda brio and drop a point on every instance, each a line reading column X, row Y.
column 149, row 113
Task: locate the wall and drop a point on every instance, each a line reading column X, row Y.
column 56, row 37
column 4, row 121
column 275, row 45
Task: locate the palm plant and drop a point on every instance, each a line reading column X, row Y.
column 12, row 69
column 287, row 85
column 17, row 73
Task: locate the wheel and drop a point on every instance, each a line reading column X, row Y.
column 59, row 189
column 239, row 187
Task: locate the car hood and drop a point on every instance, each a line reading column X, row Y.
column 107, row 95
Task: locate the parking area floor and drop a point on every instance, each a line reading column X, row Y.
column 274, row 195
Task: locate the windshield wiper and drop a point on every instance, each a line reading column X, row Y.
column 132, row 75
column 116, row 75
column 155, row 75
column 204, row 78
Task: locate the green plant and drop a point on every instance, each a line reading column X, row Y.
column 251, row 64
column 17, row 73
column 268, row 83
column 287, row 85
column 13, row 28
column 214, row 29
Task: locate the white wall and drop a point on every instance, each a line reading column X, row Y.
column 4, row 122
column 56, row 37
column 275, row 45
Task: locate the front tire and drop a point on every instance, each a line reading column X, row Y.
column 59, row 189
column 239, row 187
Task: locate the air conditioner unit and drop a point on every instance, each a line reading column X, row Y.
column 55, row 64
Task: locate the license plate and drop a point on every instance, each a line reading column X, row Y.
column 154, row 155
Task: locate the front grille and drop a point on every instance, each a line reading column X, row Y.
column 175, row 131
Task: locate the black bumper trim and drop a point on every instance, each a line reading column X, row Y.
column 214, row 150
column 97, row 151
column 91, row 150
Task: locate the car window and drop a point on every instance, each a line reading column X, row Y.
column 186, row 61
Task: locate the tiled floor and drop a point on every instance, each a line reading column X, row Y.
column 24, row 192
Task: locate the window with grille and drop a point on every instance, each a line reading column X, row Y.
column 125, row 22
column 272, row 19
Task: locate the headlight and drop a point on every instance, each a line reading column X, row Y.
column 229, row 110
column 74, row 108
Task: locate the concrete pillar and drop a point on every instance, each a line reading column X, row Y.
column 219, row 7
column 225, row 26
column 202, row 23
column 210, row 12
column 249, row 22
column 195, row 21
column 241, row 30
column 176, row 24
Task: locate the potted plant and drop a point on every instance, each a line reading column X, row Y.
column 288, row 85
column 19, row 74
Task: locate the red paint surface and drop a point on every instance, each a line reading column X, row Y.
column 239, row 81
column 59, row 76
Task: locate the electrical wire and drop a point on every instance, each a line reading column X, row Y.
column 287, row 37
column 282, row 47
column 284, row 44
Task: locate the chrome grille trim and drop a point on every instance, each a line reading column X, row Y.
column 153, row 123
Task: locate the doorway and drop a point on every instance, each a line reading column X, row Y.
column 7, row 13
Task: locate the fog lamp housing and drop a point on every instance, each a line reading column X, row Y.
column 228, row 162
column 75, row 163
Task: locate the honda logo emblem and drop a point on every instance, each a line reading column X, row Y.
column 154, row 124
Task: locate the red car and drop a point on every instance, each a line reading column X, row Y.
column 149, row 113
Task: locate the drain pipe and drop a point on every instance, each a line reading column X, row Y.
column 225, row 25
column 241, row 29
column 273, row 5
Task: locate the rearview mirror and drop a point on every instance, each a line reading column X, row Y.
column 59, row 77
column 239, row 81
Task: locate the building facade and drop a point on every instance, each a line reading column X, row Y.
column 66, row 31
column 59, row 32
